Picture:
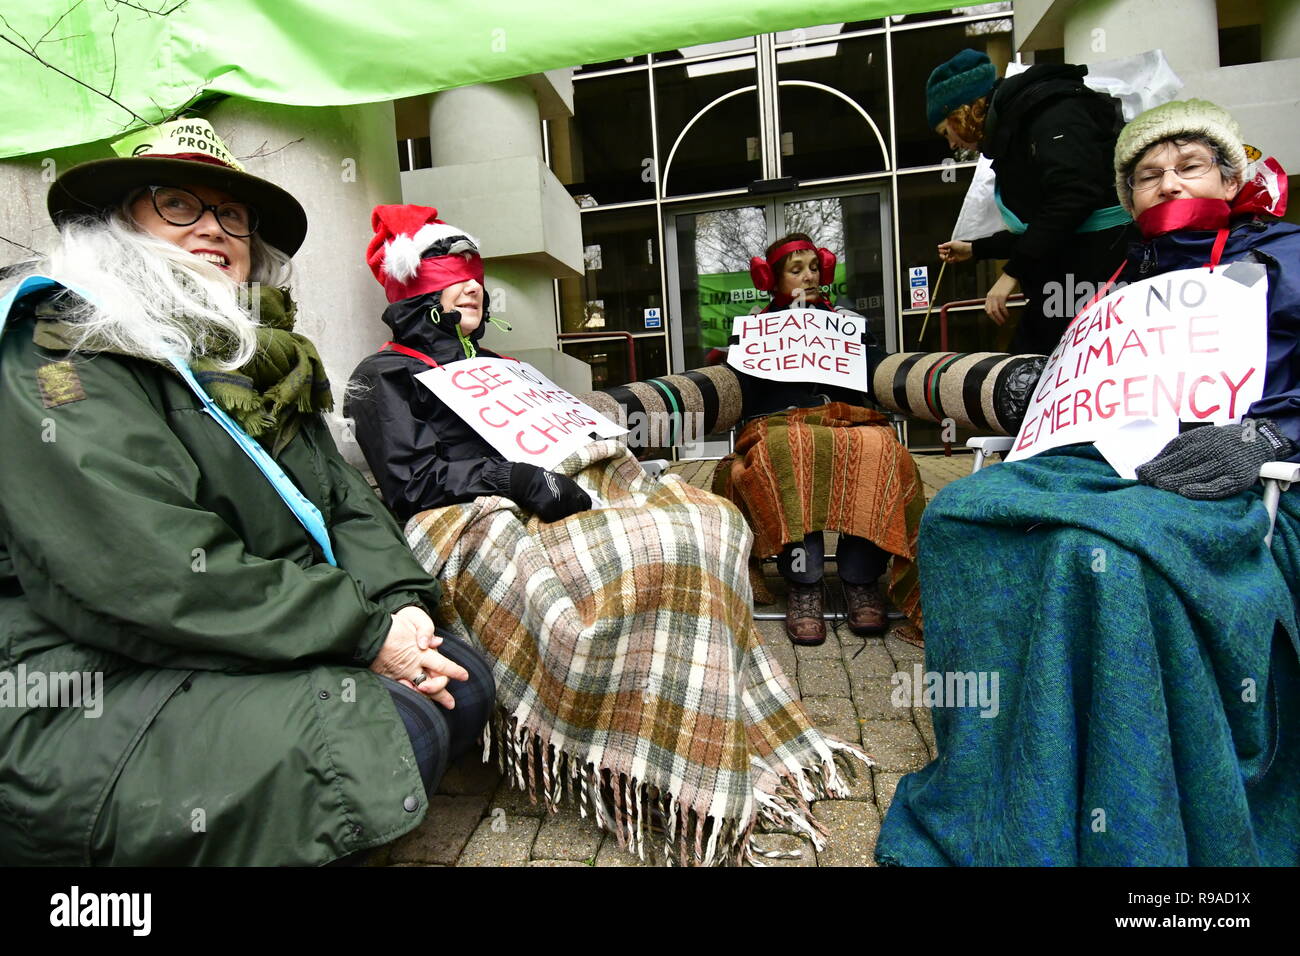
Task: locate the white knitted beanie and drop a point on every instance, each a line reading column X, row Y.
column 1172, row 120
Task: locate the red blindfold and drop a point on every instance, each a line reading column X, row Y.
column 436, row 274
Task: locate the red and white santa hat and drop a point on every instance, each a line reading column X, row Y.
column 403, row 233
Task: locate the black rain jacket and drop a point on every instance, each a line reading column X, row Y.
column 1052, row 143
column 422, row 454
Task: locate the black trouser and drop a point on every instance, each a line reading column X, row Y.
column 439, row 736
column 1053, row 296
column 857, row 560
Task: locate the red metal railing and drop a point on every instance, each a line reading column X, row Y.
column 1016, row 299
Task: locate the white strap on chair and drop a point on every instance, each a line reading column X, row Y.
column 1277, row 477
column 985, row 445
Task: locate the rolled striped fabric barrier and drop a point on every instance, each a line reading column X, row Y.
column 984, row 391
column 673, row 409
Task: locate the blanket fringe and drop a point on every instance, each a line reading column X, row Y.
column 640, row 816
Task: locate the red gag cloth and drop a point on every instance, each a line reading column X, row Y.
column 1205, row 215
column 1265, row 194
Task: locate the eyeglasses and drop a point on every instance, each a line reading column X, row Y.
column 180, row 207
column 1146, row 179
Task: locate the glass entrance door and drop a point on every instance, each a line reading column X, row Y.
column 708, row 253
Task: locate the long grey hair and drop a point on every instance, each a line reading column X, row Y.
column 152, row 299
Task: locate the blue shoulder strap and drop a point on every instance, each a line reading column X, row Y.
column 306, row 512
column 1098, row 220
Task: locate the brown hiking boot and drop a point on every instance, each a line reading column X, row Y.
column 803, row 615
column 866, row 609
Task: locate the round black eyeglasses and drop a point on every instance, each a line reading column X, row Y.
column 180, row 207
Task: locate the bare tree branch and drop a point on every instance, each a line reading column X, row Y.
column 156, row 13
column 263, row 151
column 48, row 65
column 55, row 23
column 23, row 45
column 112, row 38
column 15, row 32
column 20, row 245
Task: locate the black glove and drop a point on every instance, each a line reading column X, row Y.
column 1216, row 461
column 546, row 494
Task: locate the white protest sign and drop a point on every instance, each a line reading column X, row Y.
column 518, row 410
column 1184, row 346
column 801, row 345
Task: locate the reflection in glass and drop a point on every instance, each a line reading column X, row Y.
column 972, row 10
column 603, row 153
column 608, row 359
column 928, row 205
column 705, row 49
column 849, row 226
column 822, row 134
column 610, row 65
column 721, row 149
column 713, row 253
column 621, row 273
column 916, row 54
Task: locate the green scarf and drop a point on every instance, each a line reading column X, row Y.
column 284, row 377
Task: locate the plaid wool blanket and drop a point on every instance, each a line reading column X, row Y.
column 837, row 467
column 626, row 661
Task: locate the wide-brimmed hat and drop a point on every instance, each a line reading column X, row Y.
column 1174, row 120
column 181, row 153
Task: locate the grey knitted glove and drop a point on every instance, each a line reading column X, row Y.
column 1216, row 461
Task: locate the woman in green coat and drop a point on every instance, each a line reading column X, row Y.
column 198, row 665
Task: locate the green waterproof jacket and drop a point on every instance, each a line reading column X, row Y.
column 141, row 548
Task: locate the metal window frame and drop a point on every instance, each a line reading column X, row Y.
column 768, row 83
column 672, row 301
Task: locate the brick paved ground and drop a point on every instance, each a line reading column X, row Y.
column 477, row 819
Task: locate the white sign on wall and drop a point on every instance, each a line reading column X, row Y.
column 801, row 345
column 918, row 281
column 1184, row 346
column 518, row 410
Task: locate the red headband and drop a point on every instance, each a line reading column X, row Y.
column 796, row 245
column 762, row 272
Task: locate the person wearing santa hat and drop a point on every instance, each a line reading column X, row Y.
column 621, row 636
column 422, row 453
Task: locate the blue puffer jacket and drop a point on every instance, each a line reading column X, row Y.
column 1277, row 245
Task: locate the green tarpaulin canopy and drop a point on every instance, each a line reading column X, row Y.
column 106, row 60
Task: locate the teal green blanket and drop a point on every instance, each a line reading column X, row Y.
column 1148, row 678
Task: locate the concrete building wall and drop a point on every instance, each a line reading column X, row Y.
column 1264, row 97
column 1187, row 30
column 339, row 162
column 490, row 177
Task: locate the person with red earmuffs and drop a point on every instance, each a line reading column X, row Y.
column 812, row 458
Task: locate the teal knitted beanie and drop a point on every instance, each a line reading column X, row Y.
column 961, row 80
